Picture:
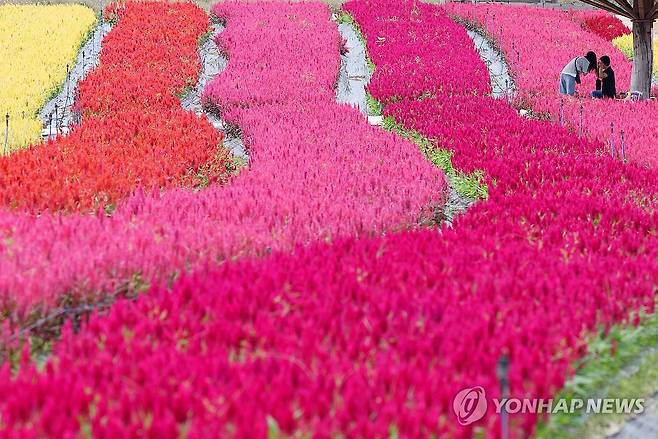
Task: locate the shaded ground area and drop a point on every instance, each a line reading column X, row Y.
column 642, row 426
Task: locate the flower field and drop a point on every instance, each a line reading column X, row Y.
column 44, row 39
column 336, row 311
column 526, row 36
column 315, row 292
column 357, row 184
column 133, row 131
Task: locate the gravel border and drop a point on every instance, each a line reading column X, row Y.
column 57, row 114
column 354, row 72
column 643, row 426
column 213, row 62
column 502, row 84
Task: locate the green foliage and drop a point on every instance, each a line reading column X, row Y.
column 184, row 91
column 109, row 209
column 204, row 38
column 375, row 108
column 235, row 164
column 273, row 431
column 619, row 365
column 470, row 185
column 393, row 432
column 345, row 18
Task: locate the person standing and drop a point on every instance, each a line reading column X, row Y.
column 570, row 75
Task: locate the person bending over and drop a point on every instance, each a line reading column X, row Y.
column 605, row 80
column 570, row 75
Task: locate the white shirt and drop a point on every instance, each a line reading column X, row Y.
column 580, row 62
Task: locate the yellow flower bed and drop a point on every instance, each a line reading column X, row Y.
column 625, row 44
column 36, row 44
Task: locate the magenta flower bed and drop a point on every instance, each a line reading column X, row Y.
column 351, row 338
column 537, row 54
column 360, row 337
column 408, row 74
column 305, row 38
column 318, row 171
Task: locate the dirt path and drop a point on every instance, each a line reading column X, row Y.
column 502, row 84
column 354, row 71
column 644, row 426
column 213, row 63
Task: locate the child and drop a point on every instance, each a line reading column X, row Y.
column 605, row 80
column 570, row 75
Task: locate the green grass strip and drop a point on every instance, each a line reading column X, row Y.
column 621, row 365
column 466, row 185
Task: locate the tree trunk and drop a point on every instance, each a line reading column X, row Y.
column 642, row 58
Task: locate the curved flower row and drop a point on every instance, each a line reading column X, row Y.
column 134, row 131
column 327, row 170
column 305, row 32
column 452, row 64
column 526, row 34
column 43, row 40
column 317, row 171
column 431, row 74
column 374, row 337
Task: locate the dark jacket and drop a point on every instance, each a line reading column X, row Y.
column 607, row 85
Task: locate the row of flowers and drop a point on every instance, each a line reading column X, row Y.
column 317, row 171
column 526, row 35
column 39, row 41
column 423, row 79
column 370, row 337
column 134, row 131
column 345, row 172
